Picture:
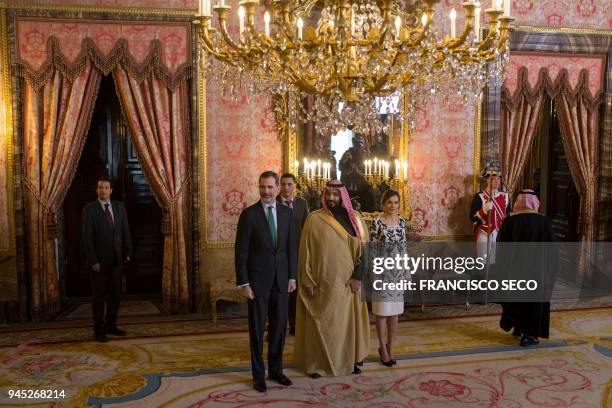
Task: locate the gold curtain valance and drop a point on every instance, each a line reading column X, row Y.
column 141, row 48
column 561, row 84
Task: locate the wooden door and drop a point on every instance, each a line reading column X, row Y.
column 563, row 200
column 144, row 273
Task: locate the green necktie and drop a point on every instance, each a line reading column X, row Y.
column 271, row 224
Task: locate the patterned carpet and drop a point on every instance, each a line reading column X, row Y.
column 127, row 308
column 464, row 361
column 79, row 329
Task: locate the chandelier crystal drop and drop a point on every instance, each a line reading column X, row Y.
column 352, row 51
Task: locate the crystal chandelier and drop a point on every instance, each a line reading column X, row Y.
column 331, row 114
column 354, row 50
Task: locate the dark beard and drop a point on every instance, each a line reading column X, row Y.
column 338, row 209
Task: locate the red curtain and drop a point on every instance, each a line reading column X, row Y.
column 578, row 117
column 518, row 129
column 56, row 119
column 580, row 140
column 159, row 123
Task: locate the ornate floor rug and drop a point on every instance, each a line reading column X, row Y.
column 559, row 375
column 127, row 308
column 466, row 361
column 78, row 330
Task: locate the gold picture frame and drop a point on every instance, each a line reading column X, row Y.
column 289, row 134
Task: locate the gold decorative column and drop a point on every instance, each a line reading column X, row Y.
column 8, row 268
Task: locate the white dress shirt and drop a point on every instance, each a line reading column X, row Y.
column 110, row 207
column 265, row 207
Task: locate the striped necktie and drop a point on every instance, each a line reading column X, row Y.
column 109, row 216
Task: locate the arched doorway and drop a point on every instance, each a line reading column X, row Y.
column 109, row 152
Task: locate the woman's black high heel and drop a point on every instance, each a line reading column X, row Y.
column 393, row 361
column 385, row 363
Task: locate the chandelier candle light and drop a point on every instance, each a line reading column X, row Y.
column 357, row 48
column 315, row 174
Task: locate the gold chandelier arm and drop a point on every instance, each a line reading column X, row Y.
column 489, row 55
column 301, row 82
column 378, row 85
column 504, row 31
column 226, row 37
column 387, row 18
column 417, row 41
column 203, row 30
column 257, row 42
column 222, row 18
column 470, row 9
column 494, row 15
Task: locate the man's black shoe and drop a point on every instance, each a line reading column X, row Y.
column 528, row 341
column 315, row 375
column 260, row 385
column 356, row 370
column 116, row 331
column 101, row 337
column 282, row 379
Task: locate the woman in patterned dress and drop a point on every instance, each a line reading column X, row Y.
column 388, row 305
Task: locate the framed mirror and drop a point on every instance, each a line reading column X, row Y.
column 367, row 158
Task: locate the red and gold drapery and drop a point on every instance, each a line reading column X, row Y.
column 158, row 119
column 61, row 63
column 55, row 126
column 577, row 93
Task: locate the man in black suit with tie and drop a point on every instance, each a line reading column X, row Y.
column 299, row 206
column 108, row 245
column 266, row 261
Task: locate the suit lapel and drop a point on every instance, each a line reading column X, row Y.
column 298, row 206
column 116, row 215
column 281, row 219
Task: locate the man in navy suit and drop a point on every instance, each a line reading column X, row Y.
column 266, row 261
column 108, row 246
column 299, row 206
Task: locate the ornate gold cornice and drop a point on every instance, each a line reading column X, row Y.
column 561, row 30
column 102, row 9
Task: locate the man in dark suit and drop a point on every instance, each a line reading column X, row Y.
column 300, row 212
column 266, row 262
column 108, row 245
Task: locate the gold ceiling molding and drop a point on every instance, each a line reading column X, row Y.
column 101, row 9
column 560, row 30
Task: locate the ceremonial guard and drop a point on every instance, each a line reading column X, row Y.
column 487, row 212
